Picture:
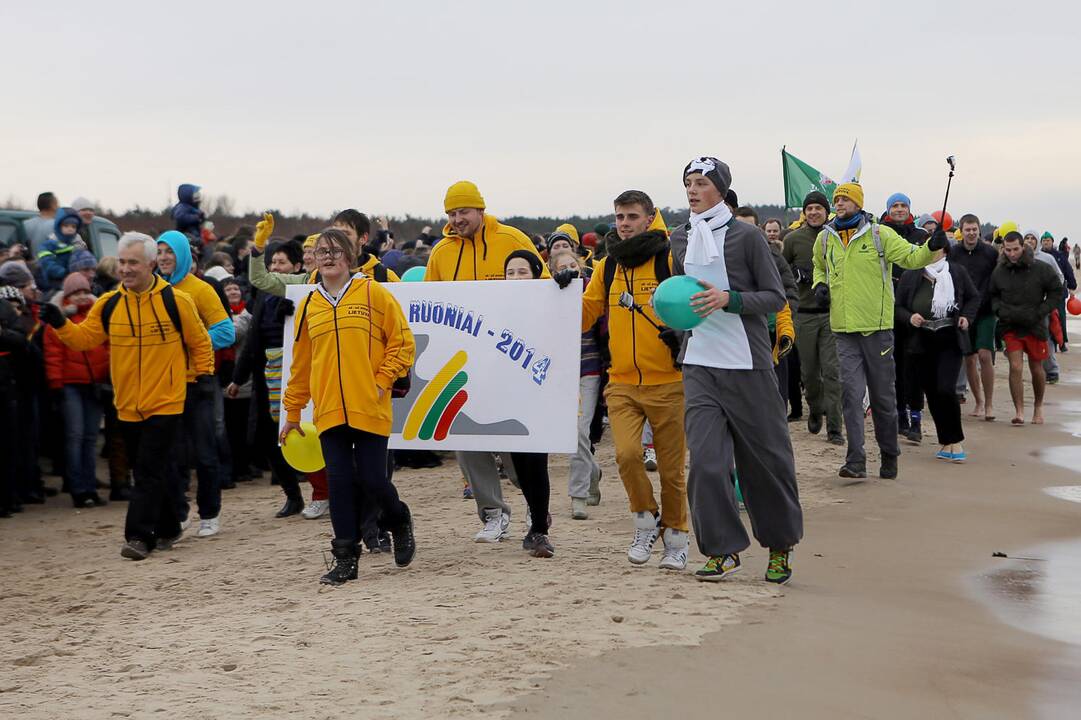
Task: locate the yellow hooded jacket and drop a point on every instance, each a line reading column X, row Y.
column 211, row 312
column 639, row 357
column 147, row 359
column 345, row 353
column 478, row 258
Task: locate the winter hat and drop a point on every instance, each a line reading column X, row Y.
column 82, row 260
column 81, row 203
column 717, row 172
column 601, row 229
column 218, row 273
column 73, row 283
column 564, row 232
column 463, row 194
column 852, row 191
column 535, row 264
column 16, row 274
column 896, row 198
column 309, row 242
column 937, row 215
column 924, row 219
column 589, row 240
column 1047, row 234
column 65, row 216
column 8, row 292
column 816, row 198
column 731, row 199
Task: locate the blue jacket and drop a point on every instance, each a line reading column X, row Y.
column 222, row 332
column 55, row 255
column 1064, row 265
column 186, row 213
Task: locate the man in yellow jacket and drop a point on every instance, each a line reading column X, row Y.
column 644, row 380
column 475, row 246
column 155, row 334
column 204, row 392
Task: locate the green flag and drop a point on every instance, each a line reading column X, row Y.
column 800, row 179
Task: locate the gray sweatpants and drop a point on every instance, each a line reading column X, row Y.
column 583, row 465
column 480, row 471
column 867, row 363
column 736, row 418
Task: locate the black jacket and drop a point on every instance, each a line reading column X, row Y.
column 964, row 293
column 907, row 230
column 1023, row 294
column 980, row 262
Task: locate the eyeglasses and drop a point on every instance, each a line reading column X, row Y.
column 324, row 253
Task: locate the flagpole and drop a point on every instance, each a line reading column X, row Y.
column 784, row 174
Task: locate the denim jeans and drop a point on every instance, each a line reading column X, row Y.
column 82, row 421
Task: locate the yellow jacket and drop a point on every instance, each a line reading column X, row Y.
column 344, row 353
column 784, row 328
column 211, row 312
column 638, row 355
column 147, row 359
column 479, row 258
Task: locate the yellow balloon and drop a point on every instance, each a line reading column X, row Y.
column 304, row 453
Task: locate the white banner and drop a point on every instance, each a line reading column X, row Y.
column 496, row 368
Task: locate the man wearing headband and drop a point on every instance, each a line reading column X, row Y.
column 734, row 414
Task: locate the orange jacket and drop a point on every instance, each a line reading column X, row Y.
column 64, row 366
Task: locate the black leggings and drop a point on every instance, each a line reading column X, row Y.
column 532, row 472
column 938, row 367
column 356, row 476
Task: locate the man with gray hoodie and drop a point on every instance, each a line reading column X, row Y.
column 734, row 415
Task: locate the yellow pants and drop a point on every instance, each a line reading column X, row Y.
column 629, row 406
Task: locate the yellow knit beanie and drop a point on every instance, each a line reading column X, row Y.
column 309, row 242
column 463, row 194
column 850, row 190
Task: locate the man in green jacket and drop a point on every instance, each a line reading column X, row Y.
column 853, row 256
column 814, row 339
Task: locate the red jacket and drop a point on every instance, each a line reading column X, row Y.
column 64, row 366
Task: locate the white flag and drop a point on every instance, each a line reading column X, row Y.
column 855, row 165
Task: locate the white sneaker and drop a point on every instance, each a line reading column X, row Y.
column 675, row 550
column 645, row 535
column 316, row 509
column 578, row 509
column 649, row 458
column 209, row 527
column 496, row 523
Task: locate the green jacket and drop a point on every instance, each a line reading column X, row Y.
column 861, row 299
column 799, row 252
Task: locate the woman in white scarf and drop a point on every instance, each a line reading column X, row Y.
column 940, row 302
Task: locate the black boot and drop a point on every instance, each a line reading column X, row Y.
column 120, row 493
column 405, row 546
column 888, row 470
column 345, row 562
column 293, row 505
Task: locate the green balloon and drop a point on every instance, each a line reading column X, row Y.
column 414, row 274
column 672, row 302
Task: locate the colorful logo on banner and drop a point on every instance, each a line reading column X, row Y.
column 439, row 403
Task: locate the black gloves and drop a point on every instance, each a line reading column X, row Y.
column 563, row 278
column 804, row 275
column 673, row 339
column 784, row 346
column 822, row 295
column 938, row 240
column 52, row 315
column 286, row 307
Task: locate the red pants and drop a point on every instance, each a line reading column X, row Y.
column 318, row 481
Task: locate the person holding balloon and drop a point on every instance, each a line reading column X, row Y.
column 352, row 343
column 734, row 414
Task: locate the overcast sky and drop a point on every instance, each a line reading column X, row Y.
column 552, row 108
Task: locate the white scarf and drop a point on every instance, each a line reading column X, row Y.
column 944, row 299
column 702, row 245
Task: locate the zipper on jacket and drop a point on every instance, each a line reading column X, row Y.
column 338, row 348
column 139, row 308
column 634, row 319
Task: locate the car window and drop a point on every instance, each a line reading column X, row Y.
column 108, row 242
column 9, row 233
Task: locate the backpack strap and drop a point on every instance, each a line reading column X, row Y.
column 168, row 299
column 881, row 254
column 304, row 314
column 379, row 273
column 609, row 278
column 107, row 310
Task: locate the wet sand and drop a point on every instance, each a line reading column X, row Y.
column 891, row 613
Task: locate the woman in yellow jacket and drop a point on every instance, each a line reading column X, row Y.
column 352, row 343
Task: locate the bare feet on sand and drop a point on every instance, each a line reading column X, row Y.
column 976, row 411
column 1037, row 416
column 1018, row 420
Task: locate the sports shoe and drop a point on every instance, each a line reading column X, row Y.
column 853, row 470
column 814, row 424
column 168, row 543
column 959, row 455
column 1052, row 379
column 209, row 527
column 718, row 568
column 578, row 509
column 914, row 434
column 645, row 536
column 538, row 545
column 594, row 497
column 779, row 570
column 135, row 550
column 888, row 469
column 496, row 523
column 345, row 563
column 675, row 550
column 649, row 458
column 943, row 454
column 316, row 509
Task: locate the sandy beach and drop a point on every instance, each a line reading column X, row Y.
column 880, row 620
